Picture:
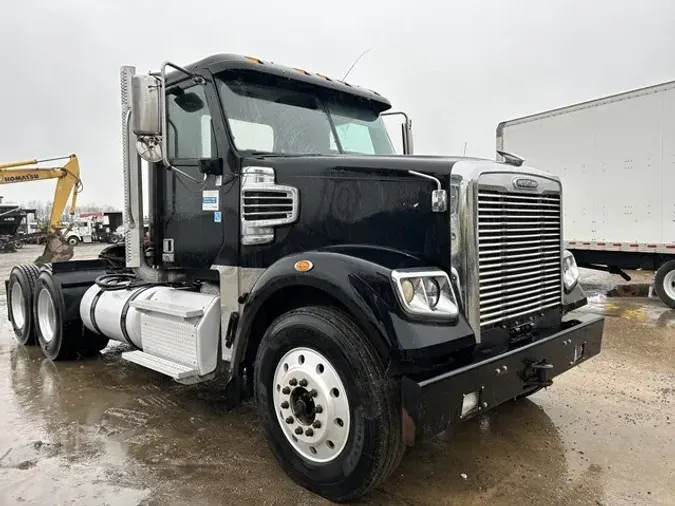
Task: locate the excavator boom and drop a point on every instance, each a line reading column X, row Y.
column 68, row 184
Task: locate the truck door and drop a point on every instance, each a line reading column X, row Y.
column 189, row 206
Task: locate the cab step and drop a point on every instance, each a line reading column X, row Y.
column 178, row 372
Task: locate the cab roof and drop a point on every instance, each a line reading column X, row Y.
column 226, row 61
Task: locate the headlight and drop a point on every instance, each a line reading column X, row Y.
column 570, row 271
column 425, row 293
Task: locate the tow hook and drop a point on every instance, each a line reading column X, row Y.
column 536, row 374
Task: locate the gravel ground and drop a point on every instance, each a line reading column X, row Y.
column 104, row 431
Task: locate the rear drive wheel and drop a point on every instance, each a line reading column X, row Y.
column 331, row 417
column 664, row 283
column 58, row 338
column 20, row 288
column 73, row 240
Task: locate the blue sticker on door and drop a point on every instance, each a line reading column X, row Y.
column 217, row 217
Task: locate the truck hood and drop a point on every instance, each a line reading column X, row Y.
column 439, row 166
column 433, row 165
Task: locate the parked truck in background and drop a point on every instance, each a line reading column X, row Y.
column 364, row 300
column 103, row 224
column 80, row 230
column 616, row 157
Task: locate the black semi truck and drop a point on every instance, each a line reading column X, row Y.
column 364, row 300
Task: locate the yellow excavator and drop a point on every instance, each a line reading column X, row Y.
column 69, row 183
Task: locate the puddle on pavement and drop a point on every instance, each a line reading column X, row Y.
column 636, row 309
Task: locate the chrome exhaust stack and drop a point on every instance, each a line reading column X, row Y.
column 133, row 188
column 144, row 126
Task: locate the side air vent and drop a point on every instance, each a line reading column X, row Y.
column 265, row 205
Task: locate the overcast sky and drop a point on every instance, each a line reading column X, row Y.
column 457, row 67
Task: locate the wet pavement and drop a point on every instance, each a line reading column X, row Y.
column 107, row 432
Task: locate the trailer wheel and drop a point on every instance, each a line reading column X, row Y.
column 58, row 338
column 20, row 287
column 664, row 283
column 332, row 419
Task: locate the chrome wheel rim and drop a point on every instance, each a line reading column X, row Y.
column 311, row 405
column 46, row 315
column 668, row 284
column 18, row 309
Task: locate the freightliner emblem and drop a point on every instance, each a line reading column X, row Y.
column 523, row 182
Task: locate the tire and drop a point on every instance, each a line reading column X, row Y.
column 351, row 458
column 664, row 283
column 73, row 241
column 20, row 288
column 57, row 338
column 18, row 244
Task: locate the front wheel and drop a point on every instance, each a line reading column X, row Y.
column 331, row 417
column 664, row 283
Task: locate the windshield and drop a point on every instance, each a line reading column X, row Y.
column 273, row 119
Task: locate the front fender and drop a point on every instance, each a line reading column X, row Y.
column 359, row 279
column 362, row 287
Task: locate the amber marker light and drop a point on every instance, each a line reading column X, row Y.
column 303, row 265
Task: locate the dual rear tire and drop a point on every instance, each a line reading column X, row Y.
column 331, row 416
column 38, row 312
column 20, row 291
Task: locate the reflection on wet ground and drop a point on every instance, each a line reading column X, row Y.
column 105, row 431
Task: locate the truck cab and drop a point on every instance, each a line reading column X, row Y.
column 80, row 231
column 364, row 300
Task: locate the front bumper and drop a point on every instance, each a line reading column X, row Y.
column 433, row 405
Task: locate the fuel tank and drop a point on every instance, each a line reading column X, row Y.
column 174, row 324
column 109, row 312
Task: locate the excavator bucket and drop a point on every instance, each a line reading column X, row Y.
column 57, row 249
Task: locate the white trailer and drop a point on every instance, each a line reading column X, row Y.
column 616, row 155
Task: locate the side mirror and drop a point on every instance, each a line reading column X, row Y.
column 406, row 131
column 439, row 201
column 146, row 106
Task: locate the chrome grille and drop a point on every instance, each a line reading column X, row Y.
column 519, row 254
